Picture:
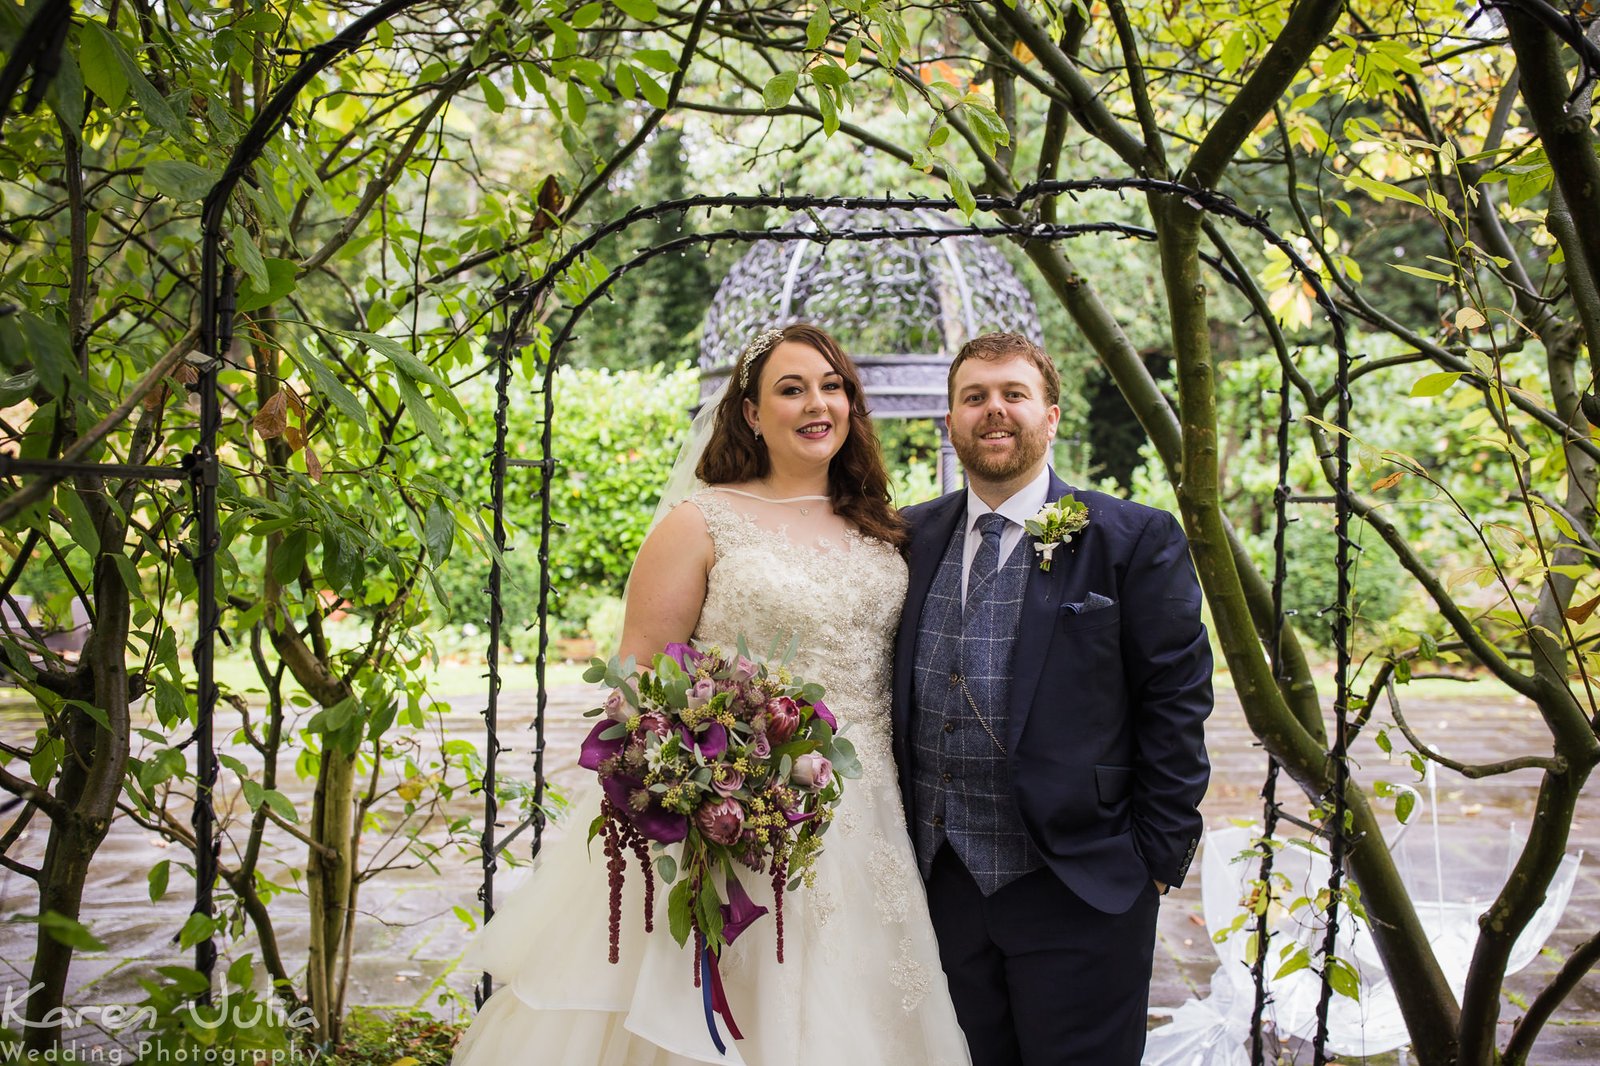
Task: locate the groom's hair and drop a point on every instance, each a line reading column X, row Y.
column 992, row 347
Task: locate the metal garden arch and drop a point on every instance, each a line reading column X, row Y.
column 1000, row 216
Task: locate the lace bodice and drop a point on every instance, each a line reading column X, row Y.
column 841, row 598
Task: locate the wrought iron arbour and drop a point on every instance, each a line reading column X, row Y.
column 1004, row 217
column 1007, row 218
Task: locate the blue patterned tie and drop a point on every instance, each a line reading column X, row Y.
column 987, row 561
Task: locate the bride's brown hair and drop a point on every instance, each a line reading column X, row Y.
column 858, row 483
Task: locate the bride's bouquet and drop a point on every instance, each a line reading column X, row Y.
column 710, row 761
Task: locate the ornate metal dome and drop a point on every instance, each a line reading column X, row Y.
column 902, row 307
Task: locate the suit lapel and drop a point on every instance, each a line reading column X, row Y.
column 928, row 544
column 1040, row 602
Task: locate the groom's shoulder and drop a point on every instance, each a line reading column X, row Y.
column 1125, row 516
column 919, row 514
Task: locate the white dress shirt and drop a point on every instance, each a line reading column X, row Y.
column 1021, row 506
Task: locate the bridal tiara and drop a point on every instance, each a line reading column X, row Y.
column 764, row 342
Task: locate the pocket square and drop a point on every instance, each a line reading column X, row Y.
column 1095, row 602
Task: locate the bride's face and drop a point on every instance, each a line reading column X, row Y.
column 802, row 410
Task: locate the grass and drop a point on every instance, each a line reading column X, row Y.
column 392, row 1038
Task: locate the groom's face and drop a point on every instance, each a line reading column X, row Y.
column 999, row 422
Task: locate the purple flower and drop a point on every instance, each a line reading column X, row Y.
column 702, row 692
column 710, row 743
column 616, row 706
column 655, row 822
column 653, row 722
column 596, row 751
column 739, row 911
column 725, row 780
column 760, row 746
column 721, row 821
column 812, row 771
column 744, row 669
column 783, row 719
column 820, row 709
column 685, row 656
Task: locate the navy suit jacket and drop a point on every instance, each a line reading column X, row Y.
column 1105, row 727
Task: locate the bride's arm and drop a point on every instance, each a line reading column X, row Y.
column 668, row 584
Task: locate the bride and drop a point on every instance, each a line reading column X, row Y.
column 793, row 536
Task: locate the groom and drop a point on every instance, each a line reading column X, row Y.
column 1048, row 727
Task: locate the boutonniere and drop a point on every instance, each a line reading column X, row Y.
column 1054, row 526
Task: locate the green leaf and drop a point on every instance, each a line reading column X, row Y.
column 1382, row 190
column 290, row 557
column 247, row 257
column 102, row 71
column 680, row 905
column 280, row 805
column 242, row 972
column 1300, row 960
column 79, row 524
column 817, row 28
column 667, row 867
column 17, row 388
column 441, row 531
column 1344, row 979
column 280, row 283
column 657, row 59
column 577, row 106
column 654, row 92
column 1434, row 384
column 199, row 927
column 325, row 381
column 586, row 16
column 158, row 879
column 74, row 934
column 827, row 73
column 1420, row 272
column 961, row 191
column 421, row 412
column 190, row 982
column 493, row 98
column 1404, row 804
column 253, row 791
column 643, row 10
column 178, row 179
column 779, row 88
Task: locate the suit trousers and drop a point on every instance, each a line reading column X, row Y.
column 1039, row 977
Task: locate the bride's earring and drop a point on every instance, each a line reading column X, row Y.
column 757, row 431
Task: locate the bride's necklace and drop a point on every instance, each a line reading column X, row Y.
column 804, row 511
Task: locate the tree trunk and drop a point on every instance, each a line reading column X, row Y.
column 93, row 766
column 328, row 879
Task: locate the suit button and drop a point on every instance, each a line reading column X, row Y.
column 938, row 821
column 947, row 778
column 949, row 727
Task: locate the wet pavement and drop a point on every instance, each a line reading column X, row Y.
column 409, row 933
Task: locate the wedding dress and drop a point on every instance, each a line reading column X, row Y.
column 860, row 984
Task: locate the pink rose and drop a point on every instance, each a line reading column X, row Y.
column 617, row 707
column 725, row 780
column 812, row 771
column 760, row 746
column 702, row 692
column 721, row 821
column 783, row 719
column 744, row 669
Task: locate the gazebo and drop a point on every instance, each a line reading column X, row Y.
column 902, row 308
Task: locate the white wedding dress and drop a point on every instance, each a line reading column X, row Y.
column 860, row 984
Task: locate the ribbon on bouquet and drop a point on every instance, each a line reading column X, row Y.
column 737, row 914
column 716, row 1000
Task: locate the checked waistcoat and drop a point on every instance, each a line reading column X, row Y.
column 961, row 787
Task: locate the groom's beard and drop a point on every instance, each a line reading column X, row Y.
column 1028, row 446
